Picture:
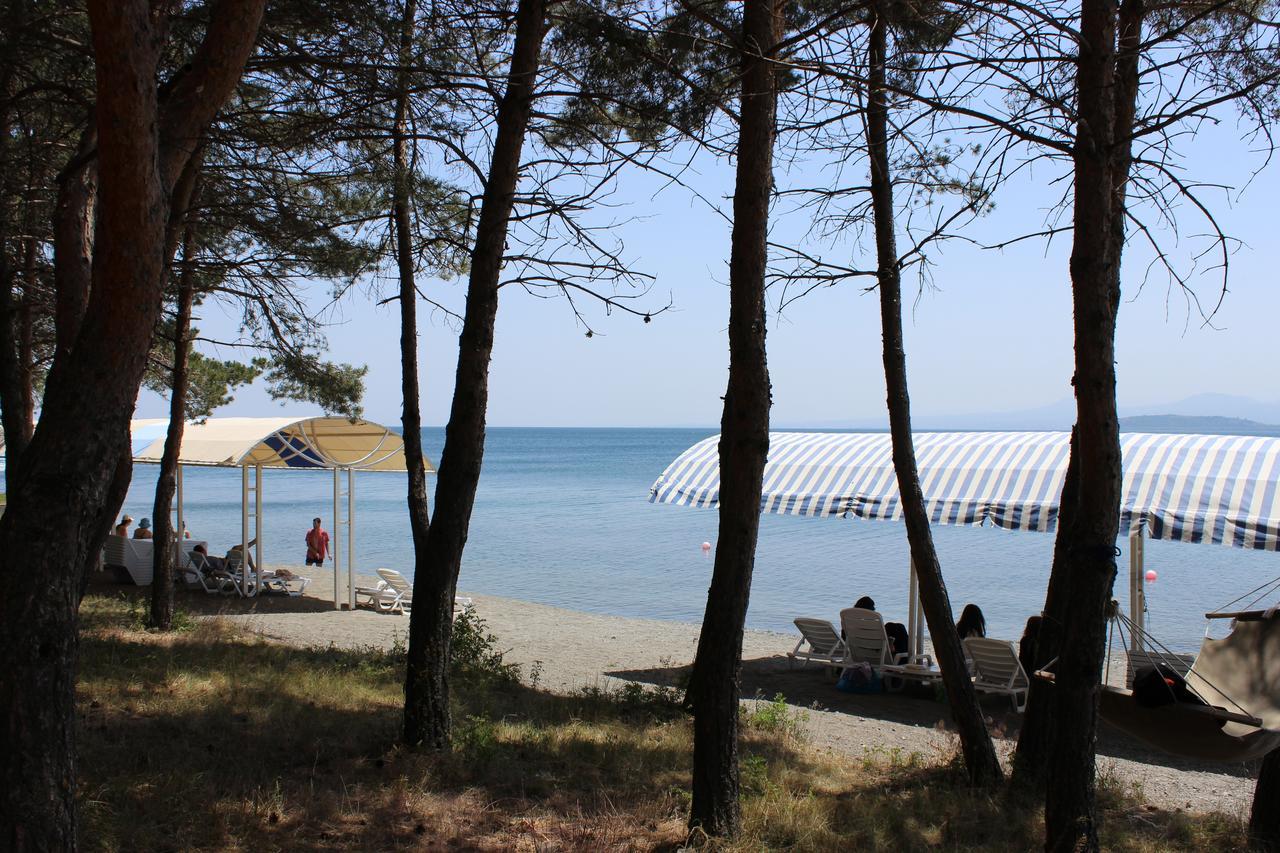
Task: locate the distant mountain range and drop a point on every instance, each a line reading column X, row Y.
column 1201, row 413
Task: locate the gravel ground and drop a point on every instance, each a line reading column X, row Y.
column 570, row 649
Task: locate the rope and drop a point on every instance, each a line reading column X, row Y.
column 1166, row 656
column 1264, row 591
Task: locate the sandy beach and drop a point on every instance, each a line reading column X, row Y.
column 568, row 650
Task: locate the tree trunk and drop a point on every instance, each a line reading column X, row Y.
column 52, row 523
column 979, row 754
column 714, row 687
column 426, row 707
column 166, row 483
column 411, row 418
column 1107, row 86
column 1031, row 760
column 1264, row 819
column 73, row 227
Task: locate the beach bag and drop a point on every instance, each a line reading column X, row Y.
column 859, row 678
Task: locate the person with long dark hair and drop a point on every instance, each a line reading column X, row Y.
column 971, row 622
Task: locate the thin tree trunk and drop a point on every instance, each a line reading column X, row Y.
column 411, row 418
column 979, row 754
column 1264, row 818
column 75, row 459
column 426, row 707
column 1031, row 759
column 73, row 226
column 1107, row 86
column 714, row 686
column 167, row 481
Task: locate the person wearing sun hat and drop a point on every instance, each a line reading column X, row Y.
column 122, row 529
column 144, row 530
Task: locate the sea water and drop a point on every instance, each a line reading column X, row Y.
column 562, row 518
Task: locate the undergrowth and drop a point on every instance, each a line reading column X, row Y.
column 210, row 738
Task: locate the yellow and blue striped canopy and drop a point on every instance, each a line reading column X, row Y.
column 1190, row 488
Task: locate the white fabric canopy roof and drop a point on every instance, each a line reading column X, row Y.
column 282, row 443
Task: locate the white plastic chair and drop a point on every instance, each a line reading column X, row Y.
column 825, row 645
column 996, row 669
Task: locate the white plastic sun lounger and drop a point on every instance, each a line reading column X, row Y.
column 824, row 643
column 864, row 638
column 996, row 669
column 394, row 594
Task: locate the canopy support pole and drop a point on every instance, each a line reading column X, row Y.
column 244, row 529
column 337, row 490
column 915, row 620
column 257, row 520
column 1137, row 592
column 351, row 539
column 181, row 528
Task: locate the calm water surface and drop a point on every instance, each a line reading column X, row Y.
column 562, row 518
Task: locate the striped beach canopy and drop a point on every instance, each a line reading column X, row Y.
column 1190, row 488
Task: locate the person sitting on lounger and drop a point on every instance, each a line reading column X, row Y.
column 209, row 564
column 865, row 603
column 122, row 529
column 237, row 555
column 1027, row 645
column 971, row 623
column 144, row 530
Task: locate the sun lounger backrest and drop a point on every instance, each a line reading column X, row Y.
column 819, row 634
column 995, row 663
column 113, row 550
column 396, row 581
column 864, row 636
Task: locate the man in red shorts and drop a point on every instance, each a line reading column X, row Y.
column 317, row 544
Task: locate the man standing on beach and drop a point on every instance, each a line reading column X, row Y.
column 317, row 544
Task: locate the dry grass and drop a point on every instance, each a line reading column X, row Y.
column 213, row 739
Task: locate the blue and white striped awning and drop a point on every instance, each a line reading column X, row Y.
column 1191, row 488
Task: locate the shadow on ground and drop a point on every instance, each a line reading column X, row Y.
column 917, row 704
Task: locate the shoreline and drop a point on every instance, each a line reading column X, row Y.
column 565, row 650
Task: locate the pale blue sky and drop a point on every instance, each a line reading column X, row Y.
column 993, row 336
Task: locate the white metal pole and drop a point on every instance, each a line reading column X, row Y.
column 180, row 558
column 244, row 528
column 913, row 641
column 351, row 539
column 257, row 520
column 337, row 483
column 1137, row 592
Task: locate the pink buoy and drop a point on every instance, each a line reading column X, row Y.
column 706, row 546
column 1151, row 576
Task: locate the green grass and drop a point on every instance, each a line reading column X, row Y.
column 213, row 739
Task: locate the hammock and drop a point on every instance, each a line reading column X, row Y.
column 1238, row 676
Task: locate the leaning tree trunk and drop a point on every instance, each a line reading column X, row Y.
column 979, row 754
column 52, row 523
column 714, row 688
column 426, row 705
column 1107, row 87
column 419, row 517
column 1031, row 759
column 1264, row 819
column 166, row 538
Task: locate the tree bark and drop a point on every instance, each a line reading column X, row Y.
column 1031, row 759
column 1264, row 818
column 73, row 240
column 165, row 536
column 979, row 754
column 714, row 687
column 52, row 523
column 411, row 418
column 426, row 707
column 1106, row 103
